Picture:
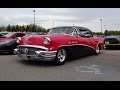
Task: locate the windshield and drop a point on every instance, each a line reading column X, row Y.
column 61, row 30
column 8, row 35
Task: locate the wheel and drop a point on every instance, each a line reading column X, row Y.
column 97, row 50
column 61, row 57
column 11, row 51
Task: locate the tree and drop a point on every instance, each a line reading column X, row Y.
column 27, row 28
column 23, row 28
column 106, row 33
column 13, row 29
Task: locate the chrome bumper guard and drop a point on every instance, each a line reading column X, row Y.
column 38, row 55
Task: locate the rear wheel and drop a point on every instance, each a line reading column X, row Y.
column 61, row 56
column 97, row 50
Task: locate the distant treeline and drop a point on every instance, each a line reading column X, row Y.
column 36, row 28
column 107, row 32
column 27, row 28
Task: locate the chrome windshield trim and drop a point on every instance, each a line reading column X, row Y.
column 36, row 46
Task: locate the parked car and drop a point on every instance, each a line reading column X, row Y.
column 3, row 33
column 60, row 44
column 112, row 41
column 8, row 42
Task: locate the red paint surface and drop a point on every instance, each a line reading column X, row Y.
column 11, row 37
column 61, row 40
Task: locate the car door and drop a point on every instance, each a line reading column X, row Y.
column 86, row 37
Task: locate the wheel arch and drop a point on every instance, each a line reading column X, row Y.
column 67, row 49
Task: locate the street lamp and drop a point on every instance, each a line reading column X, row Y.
column 53, row 23
column 105, row 27
column 34, row 19
column 101, row 25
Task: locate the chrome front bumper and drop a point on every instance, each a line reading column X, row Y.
column 43, row 55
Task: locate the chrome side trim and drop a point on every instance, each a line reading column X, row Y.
column 78, row 44
column 46, row 53
column 36, row 46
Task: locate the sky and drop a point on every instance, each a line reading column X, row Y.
column 53, row 17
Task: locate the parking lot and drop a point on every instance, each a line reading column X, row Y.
column 104, row 67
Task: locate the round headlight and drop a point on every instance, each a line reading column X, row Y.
column 18, row 39
column 47, row 41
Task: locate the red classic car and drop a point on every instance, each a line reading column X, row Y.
column 60, row 44
column 8, row 42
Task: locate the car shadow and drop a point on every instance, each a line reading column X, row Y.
column 6, row 54
column 112, row 48
column 79, row 58
column 37, row 63
column 49, row 63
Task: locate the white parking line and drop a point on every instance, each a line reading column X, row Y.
column 112, row 52
column 89, row 69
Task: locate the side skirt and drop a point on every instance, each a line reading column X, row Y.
column 80, row 51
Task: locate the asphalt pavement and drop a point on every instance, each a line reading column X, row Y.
column 103, row 67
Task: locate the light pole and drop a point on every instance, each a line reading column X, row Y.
column 101, row 25
column 53, row 23
column 105, row 27
column 34, row 20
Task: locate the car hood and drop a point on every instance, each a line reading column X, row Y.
column 38, row 39
column 5, row 38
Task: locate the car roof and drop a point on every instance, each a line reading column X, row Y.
column 112, row 36
column 71, row 26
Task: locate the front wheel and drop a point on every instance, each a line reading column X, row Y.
column 11, row 51
column 61, row 57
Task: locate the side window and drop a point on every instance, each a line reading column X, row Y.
column 14, row 35
column 85, row 33
column 69, row 30
column 20, row 35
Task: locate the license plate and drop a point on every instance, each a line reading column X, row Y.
column 106, row 43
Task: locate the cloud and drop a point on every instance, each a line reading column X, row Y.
column 86, row 17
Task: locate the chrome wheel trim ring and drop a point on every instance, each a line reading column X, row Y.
column 61, row 55
column 97, row 49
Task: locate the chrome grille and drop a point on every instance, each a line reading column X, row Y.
column 31, row 50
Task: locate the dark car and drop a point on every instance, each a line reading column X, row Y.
column 8, row 42
column 112, row 41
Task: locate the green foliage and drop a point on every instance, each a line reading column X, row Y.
column 97, row 33
column 27, row 28
column 107, row 33
column 111, row 32
column 36, row 28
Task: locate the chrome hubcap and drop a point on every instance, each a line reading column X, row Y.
column 97, row 49
column 61, row 55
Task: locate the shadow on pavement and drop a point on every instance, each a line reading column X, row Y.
column 5, row 54
column 37, row 63
column 112, row 48
column 49, row 63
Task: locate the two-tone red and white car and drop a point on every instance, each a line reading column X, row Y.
column 60, row 44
